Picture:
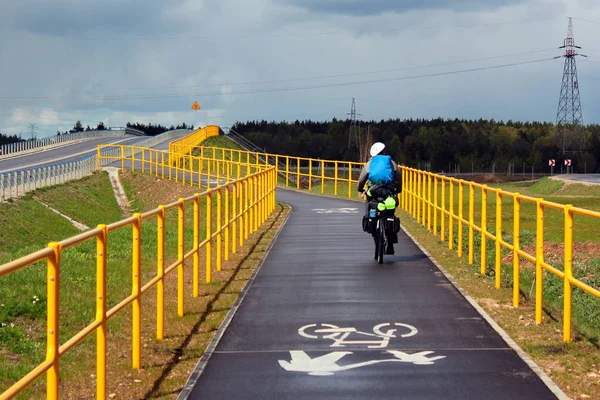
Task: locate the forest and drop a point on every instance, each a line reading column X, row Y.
column 436, row 144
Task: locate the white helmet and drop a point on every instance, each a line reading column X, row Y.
column 377, row 148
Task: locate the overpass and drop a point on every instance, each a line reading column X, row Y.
column 319, row 318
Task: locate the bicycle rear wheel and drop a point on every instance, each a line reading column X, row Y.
column 381, row 241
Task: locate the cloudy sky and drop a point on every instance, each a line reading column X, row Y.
column 147, row 61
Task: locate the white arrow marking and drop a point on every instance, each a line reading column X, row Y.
column 327, row 364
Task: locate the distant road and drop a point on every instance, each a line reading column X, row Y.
column 585, row 178
column 74, row 152
column 63, row 154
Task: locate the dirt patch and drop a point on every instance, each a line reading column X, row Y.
column 151, row 190
column 583, row 252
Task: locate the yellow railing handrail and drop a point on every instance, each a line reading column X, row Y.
column 249, row 210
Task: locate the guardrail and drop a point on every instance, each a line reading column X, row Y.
column 432, row 200
column 185, row 145
column 19, row 182
column 241, row 206
column 22, row 147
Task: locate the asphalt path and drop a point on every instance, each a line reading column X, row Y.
column 322, row 320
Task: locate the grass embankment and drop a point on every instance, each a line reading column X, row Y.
column 574, row 367
column 165, row 364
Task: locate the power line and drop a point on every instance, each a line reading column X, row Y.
column 338, row 75
column 272, row 90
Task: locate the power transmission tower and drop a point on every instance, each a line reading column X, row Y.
column 32, row 131
column 353, row 136
column 569, row 118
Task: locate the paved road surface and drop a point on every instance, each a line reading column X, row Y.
column 305, row 329
column 63, row 154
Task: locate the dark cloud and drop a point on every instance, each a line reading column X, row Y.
column 377, row 7
column 85, row 18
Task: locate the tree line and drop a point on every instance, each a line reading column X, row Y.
column 440, row 143
column 148, row 129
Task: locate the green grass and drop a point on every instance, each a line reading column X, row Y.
column 95, row 192
column 23, row 298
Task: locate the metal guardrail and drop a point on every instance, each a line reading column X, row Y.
column 22, row 147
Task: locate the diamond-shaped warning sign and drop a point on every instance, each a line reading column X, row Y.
column 195, row 106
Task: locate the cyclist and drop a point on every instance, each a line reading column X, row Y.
column 387, row 179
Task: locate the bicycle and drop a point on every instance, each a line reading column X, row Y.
column 379, row 223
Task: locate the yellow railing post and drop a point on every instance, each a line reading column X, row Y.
column 322, row 176
column 101, row 247
column 160, row 272
column 471, row 222
column 287, row 170
column 498, row 271
column 53, row 342
column 539, row 259
column 310, row 164
column 483, row 230
column 424, row 199
column 219, row 227
column 227, row 222
column 461, row 200
column 180, row 255
column 335, row 179
column 243, row 199
column 209, row 237
column 98, row 157
column 429, row 201
column 568, row 274
column 136, row 283
column 196, row 268
column 162, row 167
column 143, row 161
column 255, row 202
column 451, row 216
column 418, row 196
column 516, row 247
column 297, row 173
column 435, row 205
column 234, row 217
column 122, row 158
column 443, row 213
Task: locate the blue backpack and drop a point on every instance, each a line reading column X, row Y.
column 380, row 170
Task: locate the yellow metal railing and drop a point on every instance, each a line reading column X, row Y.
column 184, row 145
column 437, row 202
column 247, row 200
column 421, row 203
column 299, row 172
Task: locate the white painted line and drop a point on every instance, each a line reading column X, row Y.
column 524, row 356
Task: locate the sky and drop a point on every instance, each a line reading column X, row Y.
column 120, row 61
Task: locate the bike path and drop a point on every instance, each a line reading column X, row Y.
column 321, row 270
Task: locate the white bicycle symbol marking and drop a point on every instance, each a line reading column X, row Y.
column 340, row 335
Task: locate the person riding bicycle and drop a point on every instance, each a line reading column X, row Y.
column 386, row 181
